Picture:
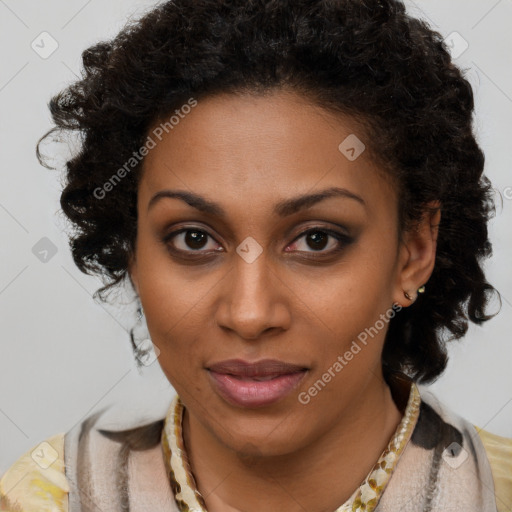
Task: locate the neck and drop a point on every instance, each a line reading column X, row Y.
column 319, row 477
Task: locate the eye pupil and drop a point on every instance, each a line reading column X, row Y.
column 195, row 239
column 319, row 240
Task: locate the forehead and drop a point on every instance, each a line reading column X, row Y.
column 261, row 147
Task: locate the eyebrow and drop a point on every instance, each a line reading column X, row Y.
column 282, row 209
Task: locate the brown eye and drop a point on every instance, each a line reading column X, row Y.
column 317, row 240
column 189, row 240
column 195, row 239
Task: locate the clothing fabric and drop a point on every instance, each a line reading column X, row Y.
column 435, row 461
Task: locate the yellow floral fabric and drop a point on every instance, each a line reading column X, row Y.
column 499, row 453
column 36, row 482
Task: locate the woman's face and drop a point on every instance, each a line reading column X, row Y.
column 257, row 271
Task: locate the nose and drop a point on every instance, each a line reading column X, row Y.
column 254, row 302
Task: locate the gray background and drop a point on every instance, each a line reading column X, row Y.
column 63, row 355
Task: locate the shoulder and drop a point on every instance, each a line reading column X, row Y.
column 482, row 460
column 499, row 453
column 36, row 482
column 46, row 479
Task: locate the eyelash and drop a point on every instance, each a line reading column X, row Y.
column 342, row 239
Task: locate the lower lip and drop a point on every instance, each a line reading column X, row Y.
column 252, row 393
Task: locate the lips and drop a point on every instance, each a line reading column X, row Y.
column 264, row 368
column 257, row 384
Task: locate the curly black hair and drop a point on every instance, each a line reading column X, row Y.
column 365, row 58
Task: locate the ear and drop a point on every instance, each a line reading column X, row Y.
column 132, row 272
column 417, row 255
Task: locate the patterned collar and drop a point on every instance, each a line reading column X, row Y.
column 365, row 497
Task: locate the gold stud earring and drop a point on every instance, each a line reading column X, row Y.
column 421, row 289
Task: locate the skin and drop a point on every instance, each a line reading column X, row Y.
column 294, row 302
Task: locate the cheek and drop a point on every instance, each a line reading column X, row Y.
column 180, row 339
column 169, row 291
column 173, row 304
column 353, row 298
